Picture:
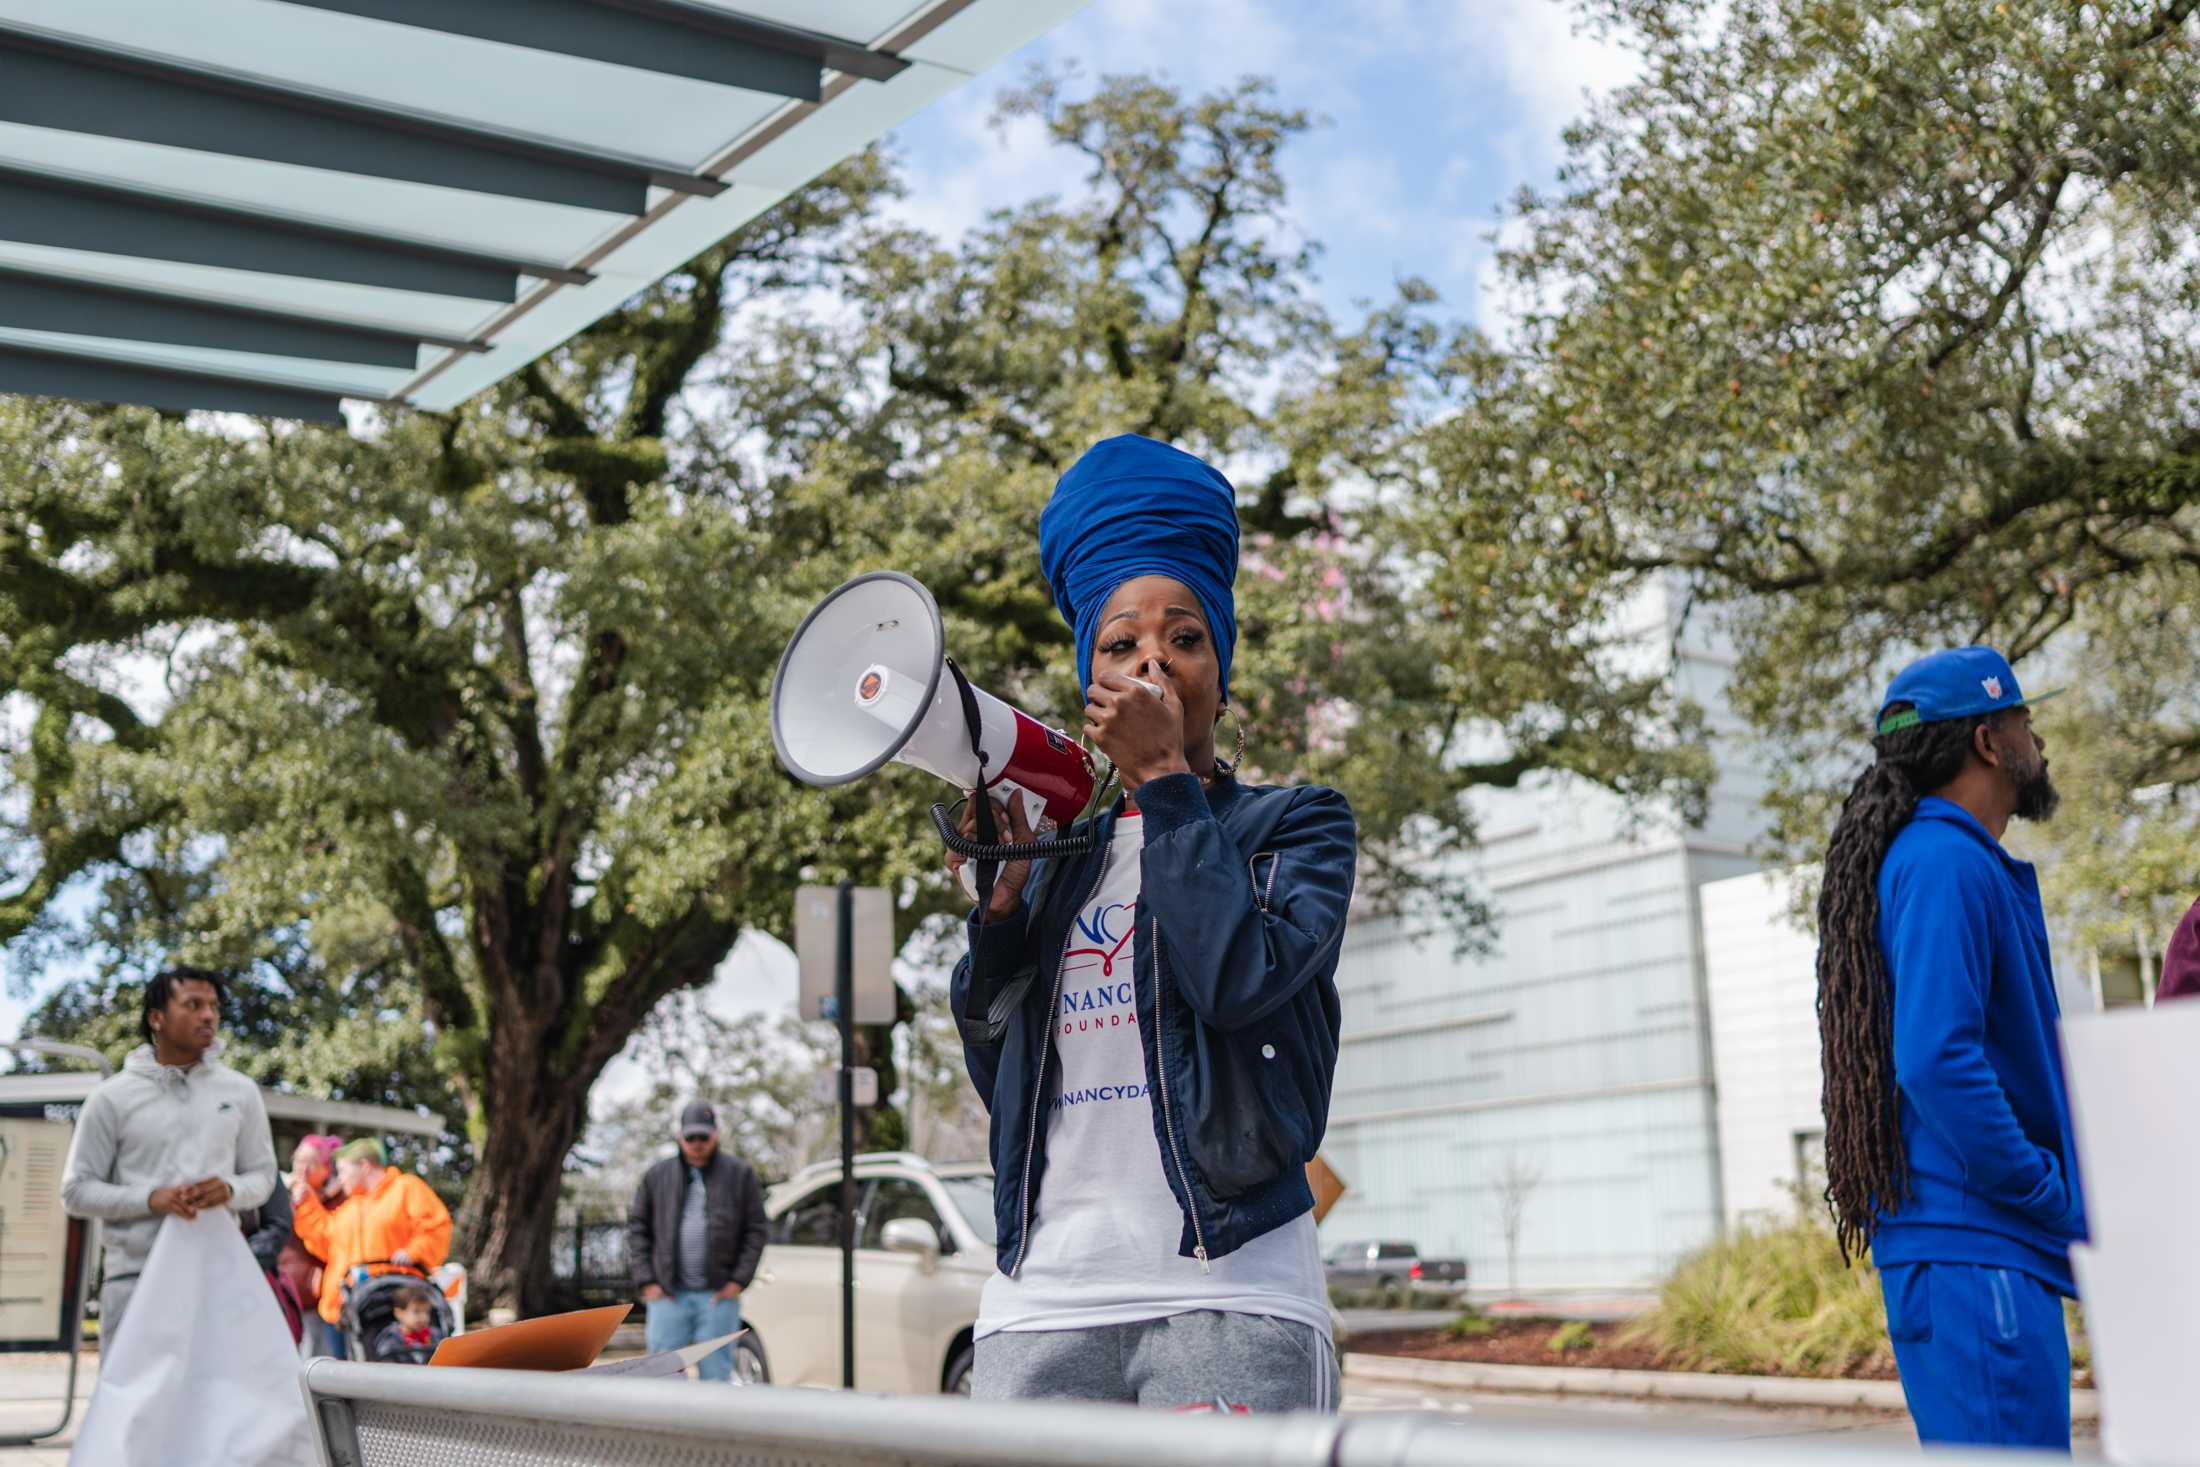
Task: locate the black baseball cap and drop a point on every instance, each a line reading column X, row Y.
column 698, row 1119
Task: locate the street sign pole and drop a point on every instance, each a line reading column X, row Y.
column 844, row 993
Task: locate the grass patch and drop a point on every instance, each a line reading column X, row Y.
column 1573, row 1335
column 1771, row 1301
column 1470, row 1327
column 1777, row 1301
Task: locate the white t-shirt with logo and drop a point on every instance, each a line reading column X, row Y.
column 1105, row 1227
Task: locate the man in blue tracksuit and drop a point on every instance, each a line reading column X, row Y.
column 1948, row 1138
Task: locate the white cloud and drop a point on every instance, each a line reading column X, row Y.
column 979, row 167
column 1438, row 110
column 1551, row 66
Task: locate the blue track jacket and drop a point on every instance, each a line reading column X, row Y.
column 1985, row 1118
column 1241, row 909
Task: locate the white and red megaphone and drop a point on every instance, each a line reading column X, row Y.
column 866, row 681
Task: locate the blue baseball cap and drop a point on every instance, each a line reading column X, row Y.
column 1962, row 682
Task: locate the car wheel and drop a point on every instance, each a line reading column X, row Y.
column 1393, row 1293
column 750, row 1365
column 959, row 1370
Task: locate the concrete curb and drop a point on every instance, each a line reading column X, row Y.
column 1670, row 1385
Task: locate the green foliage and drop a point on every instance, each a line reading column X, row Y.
column 1873, row 327
column 1777, row 1301
column 1570, row 1336
column 1470, row 1326
column 2081, row 1348
column 2116, row 862
column 1768, row 1301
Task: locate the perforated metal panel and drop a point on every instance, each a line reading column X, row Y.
column 413, row 1436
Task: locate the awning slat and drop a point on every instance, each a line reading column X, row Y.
column 647, row 40
column 79, row 214
column 93, row 379
column 31, row 301
column 75, row 86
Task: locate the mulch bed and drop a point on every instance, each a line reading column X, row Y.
column 1527, row 1342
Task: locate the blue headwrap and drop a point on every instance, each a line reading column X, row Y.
column 1132, row 507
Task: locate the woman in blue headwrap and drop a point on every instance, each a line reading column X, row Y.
column 1153, row 1026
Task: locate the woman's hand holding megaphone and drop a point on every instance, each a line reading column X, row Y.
column 1008, row 887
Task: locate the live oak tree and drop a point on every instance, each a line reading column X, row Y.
column 1870, row 327
column 469, row 710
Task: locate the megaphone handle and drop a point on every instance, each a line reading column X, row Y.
column 989, row 832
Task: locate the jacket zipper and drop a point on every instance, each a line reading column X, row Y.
column 1039, row 1086
column 1168, row 1123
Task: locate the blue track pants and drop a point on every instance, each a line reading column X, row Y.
column 1983, row 1355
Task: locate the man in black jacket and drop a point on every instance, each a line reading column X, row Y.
column 693, row 1238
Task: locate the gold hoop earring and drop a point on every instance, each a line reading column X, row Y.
column 1237, row 757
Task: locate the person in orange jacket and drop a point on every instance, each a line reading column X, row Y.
column 386, row 1215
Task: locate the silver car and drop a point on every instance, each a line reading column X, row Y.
column 924, row 1249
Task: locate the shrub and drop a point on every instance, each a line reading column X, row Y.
column 1574, row 1335
column 1769, row 1301
column 1470, row 1327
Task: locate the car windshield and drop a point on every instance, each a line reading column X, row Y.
column 973, row 1198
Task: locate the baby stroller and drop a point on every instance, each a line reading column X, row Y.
column 370, row 1306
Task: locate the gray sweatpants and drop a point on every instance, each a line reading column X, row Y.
column 1251, row 1360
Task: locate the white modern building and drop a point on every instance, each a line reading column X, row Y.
column 1760, row 974
column 1569, row 1068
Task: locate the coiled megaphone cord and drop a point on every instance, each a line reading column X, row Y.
column 1076, row 843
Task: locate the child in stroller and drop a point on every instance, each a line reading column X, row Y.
column 395, row 1317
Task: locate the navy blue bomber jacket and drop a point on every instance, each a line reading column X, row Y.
column 1243, row 893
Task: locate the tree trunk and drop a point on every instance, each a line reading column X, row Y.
column 508, row 1222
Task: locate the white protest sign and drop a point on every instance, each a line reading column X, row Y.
column 203, row 1369
column 2134, row 1075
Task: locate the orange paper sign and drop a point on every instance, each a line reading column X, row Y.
column 1327, row 1185
column 553, row 1342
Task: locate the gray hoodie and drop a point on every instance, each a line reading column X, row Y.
column 157, row 1125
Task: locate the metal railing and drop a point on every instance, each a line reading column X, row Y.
column 391, row 1416
column 588, row 1262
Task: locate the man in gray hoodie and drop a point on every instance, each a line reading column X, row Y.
column 175, row 1134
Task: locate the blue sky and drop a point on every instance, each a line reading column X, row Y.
column 1437, row 113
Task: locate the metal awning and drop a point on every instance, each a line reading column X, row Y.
column 74, row 1087
column 267, row 206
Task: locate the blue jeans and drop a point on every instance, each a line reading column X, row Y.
column 1982, row 1352
column 690, row 1317
column 332, row 1338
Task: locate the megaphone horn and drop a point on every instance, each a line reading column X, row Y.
column 866, row 681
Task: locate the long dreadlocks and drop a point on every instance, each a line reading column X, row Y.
column 1866, row 1168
